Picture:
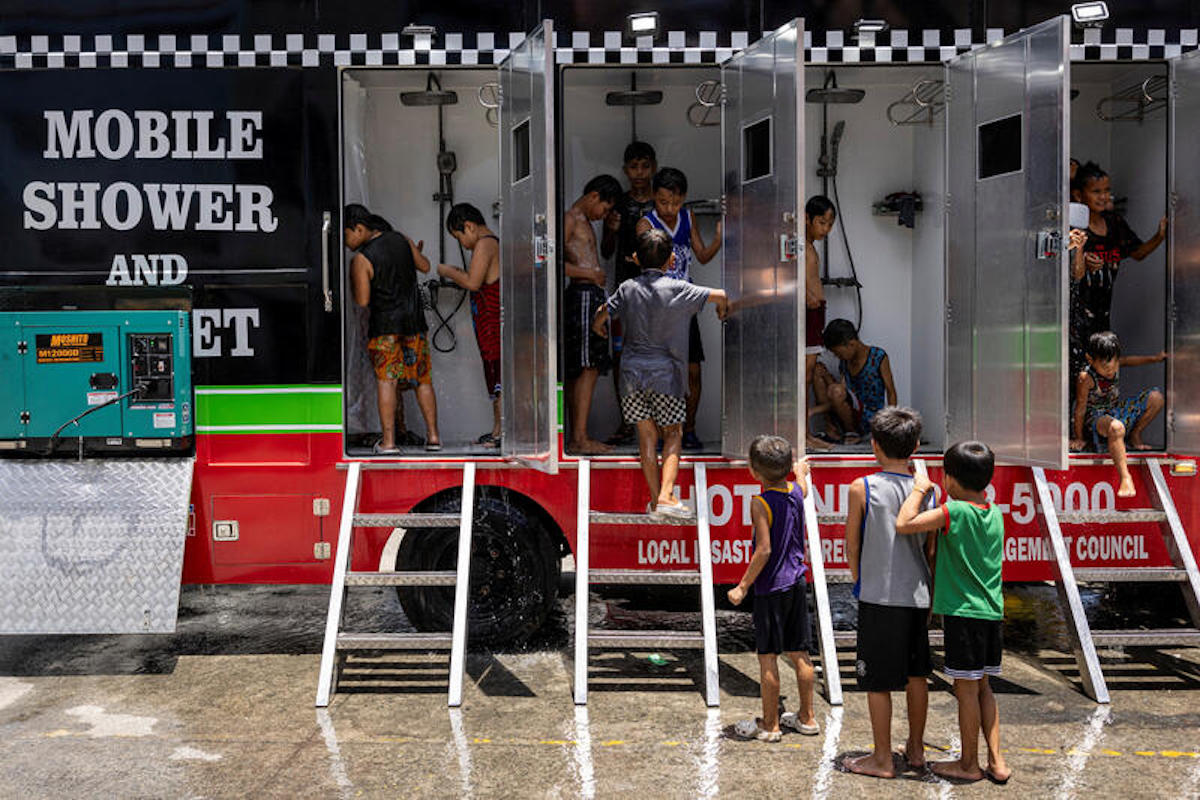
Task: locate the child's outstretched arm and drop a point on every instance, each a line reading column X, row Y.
column 600, row 321
column 762, row 551
column 721, row 300
column 704, row 253
column 1137, row 361
column 1083, row 385
column 856, row 508
column 885, row 370
column 472, row 277
column 911, row 518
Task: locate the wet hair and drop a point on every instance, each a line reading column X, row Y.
column 838, row 332
column 1103, row 346
column 818, row 205
column 1088, row 171
column 671, row 179
column 606, row 186
column 653, row 248
column 771, row 457
column 897, row 430
column 462, row 213
column 635, row 150
column 356, row 214
column 971, row 464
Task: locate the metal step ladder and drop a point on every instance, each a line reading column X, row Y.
column 666, row 639
column 831, row 639
column 337, row 642
column 1083, row 639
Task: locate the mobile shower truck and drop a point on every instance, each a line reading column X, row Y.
column 173, row 154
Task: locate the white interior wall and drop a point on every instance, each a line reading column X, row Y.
column 929, row 281
column 594, row 136
column 1134, row 155
column 400, row 145
column 899, row 267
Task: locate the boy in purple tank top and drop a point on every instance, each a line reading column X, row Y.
column 776, row 570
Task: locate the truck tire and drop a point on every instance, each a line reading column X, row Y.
column 515, row 570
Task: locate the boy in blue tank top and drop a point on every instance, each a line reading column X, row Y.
column 776, row 571
column 892, row 583
column 669, row 214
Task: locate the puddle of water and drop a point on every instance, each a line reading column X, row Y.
column 105, row 724
column 193, row 754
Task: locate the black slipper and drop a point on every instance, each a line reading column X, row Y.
column 987, row 773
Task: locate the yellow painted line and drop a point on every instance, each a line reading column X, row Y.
column 481, row 741
column 671, row 744
column 556, row 741
column 612, row 743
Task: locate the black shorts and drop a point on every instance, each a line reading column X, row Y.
column 973, row 647
column 781, row 623
column 893, row 646
column 695, row 345
column 583, row 348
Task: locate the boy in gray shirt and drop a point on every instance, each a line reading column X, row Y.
column 656, row 313
column 892, row 583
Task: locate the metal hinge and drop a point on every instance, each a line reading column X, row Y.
column 543, row 245
column 24, row 417
column 22, row 347
column 1171, row 421
column 1173, row 200
column 321, row 550
column 320, row 506
column 1049, row 245
column 789, row 247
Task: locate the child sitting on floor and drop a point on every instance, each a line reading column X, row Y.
column 776, row 571
column 864, row 387
column 1100, row 413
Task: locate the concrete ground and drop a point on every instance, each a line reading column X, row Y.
column 224, row 708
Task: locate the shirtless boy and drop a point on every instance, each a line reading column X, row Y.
column 586, row 353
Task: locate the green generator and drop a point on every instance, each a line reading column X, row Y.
column 110, row 374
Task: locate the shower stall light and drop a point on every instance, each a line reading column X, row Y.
column 415, row 30
column 642, row 24
column 1089, row 15
column 876, row 26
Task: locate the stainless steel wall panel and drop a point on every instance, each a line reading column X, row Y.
column 764, row 336
column 93, row 546
column 1184, row 257
column 1006, row 348
column 528, row 268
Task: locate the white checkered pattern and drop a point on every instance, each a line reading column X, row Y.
column 580, row 47
column 664, row 409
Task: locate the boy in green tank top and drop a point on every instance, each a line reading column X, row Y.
column 967, row 593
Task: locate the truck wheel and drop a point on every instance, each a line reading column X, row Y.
column 515, row 570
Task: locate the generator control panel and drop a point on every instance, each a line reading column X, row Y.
column 96, row 381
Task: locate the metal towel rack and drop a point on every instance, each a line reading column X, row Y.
column 1136, row 102
column 923, row 102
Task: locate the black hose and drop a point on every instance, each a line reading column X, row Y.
column 849, row 256
column 54, row 437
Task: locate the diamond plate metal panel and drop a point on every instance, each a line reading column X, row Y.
column 92, row 547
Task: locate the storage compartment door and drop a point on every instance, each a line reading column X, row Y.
column 763, row 386
column 1183, row 367
column 1007, row 285
column 527, row 264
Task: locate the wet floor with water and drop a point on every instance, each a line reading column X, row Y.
column 224, row 708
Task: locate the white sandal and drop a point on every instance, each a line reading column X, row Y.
column 790, row 719
column 749, row 729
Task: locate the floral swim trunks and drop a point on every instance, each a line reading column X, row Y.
column 404, row 359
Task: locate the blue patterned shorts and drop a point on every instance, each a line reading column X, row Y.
column 1127, row 411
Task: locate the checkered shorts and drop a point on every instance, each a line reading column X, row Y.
column 664, row 409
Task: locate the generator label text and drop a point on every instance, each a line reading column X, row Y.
column 69, row 348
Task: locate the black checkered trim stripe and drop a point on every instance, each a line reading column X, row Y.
column 579, row 47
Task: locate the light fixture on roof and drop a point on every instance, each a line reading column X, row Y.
column 870, row 26
column 1090, row 15
column 415, row 30
column 642, row 24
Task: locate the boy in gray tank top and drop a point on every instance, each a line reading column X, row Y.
column 892, row 583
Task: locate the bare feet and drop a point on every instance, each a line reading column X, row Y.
column 870, row 765
column 813, row 443
column 955, row 771
column 914, row 754
column 998, row 773
column 1126, row 489
column 1136, row 443
column 589, row 447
